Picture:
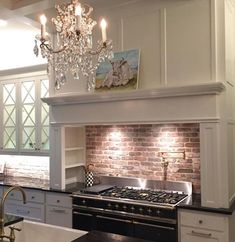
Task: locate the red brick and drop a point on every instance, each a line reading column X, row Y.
column 136, row 152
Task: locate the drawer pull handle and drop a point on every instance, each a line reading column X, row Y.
column 32, row 197
column 58, row 201
column 200, row 221
column 194, row 233
column 59, row 210
column 22, row 211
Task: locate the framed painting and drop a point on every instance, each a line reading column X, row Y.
column 120, row 73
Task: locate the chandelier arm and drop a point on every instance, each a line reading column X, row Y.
column 96, row 52
column 51, row 50
column 90, row 10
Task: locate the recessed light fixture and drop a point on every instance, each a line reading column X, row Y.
column 3, row 23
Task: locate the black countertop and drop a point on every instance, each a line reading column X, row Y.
column 97, row 236
column 11, row 219
column 194, row 203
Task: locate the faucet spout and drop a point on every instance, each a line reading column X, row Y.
column 2, row 203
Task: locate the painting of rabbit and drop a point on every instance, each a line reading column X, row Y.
column 119, row 73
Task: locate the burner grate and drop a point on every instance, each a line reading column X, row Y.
column 154, row 196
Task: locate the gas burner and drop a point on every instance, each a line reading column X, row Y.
column 148, row 195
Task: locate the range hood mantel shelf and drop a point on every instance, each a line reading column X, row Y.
column 76, row 98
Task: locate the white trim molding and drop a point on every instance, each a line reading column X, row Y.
column 163, row 92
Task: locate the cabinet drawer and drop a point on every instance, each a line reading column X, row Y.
column 56, row 199
column 59, row 216
column 31, row 211
column 31, row 195
column 203, row 220
column 195, row 235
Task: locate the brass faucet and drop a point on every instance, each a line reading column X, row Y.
column 11, row 237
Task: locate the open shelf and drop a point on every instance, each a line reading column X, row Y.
column 74, row 154
column 74, row 165
column 75, row 148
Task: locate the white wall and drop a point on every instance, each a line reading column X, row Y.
column 16, row 46
column 176, row 39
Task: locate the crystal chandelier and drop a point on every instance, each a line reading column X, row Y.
column 71, row 50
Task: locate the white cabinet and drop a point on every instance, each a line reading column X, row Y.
column 68, row 155
column 59, row 209
column 202, row 227
column 25, row 120
column 34, row 209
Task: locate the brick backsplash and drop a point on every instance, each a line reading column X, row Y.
column 135, row 151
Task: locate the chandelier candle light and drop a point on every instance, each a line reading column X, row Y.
column 72, row 51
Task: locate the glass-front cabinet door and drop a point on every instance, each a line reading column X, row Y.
column 25, row 120
column 9, row 116
column 28, row 116
column 44, row 118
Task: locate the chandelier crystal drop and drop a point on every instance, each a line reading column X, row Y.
column 71, row 50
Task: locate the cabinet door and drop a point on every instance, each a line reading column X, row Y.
column 28, row 116
column 43, row 113
column 34, row 115
column 9, row 118
column 198, row 235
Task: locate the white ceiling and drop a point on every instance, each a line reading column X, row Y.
column 28, row 11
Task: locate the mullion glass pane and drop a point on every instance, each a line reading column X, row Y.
column 9, row 116
column 44, row 116
column 29, row 137
column 28, row 115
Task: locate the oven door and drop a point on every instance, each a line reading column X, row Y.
column 155, row 231
column 96, row 220
column 83, row 220
column 86, row 218
column 114, row 225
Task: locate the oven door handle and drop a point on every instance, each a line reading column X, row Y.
column 154, row 225
column 115, row 219
column 85, row 214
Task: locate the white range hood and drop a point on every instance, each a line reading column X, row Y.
column 205, row 104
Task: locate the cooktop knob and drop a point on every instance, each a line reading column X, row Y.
column 109, row 205
column 124, row 207
column 141, row 210
column 149, row 210
column 83, row 201
column 158, row 212
column 116, row 206
column 132, row 209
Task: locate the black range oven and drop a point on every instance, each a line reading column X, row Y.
column 141, row 213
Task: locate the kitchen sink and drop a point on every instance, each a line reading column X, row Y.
column 38, row 232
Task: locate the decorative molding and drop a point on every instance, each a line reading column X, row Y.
column 164, row 92
column 213, row 36
column 163, row 121
column 163, row 47
column 23, row 70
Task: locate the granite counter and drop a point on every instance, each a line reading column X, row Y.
column 97, row 236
